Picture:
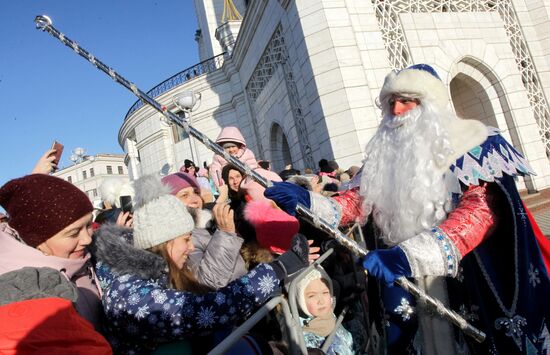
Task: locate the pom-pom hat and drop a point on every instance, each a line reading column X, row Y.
column 418, row 81
column 158, row 216
column 40, row 206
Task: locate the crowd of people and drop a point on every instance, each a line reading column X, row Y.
column 203, row 248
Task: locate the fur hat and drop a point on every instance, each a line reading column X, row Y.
column 158, row 216
column 274, row 227
column 39, row 206
column 419, row 81
column 317, row 273
column 112, row 188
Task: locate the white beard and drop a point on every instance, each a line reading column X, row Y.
column 401, row 183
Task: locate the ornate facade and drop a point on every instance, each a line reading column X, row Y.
column 302, row 77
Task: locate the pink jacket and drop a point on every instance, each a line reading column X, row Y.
column 245, row 155
column 15, row 255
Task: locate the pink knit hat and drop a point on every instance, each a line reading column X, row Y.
column 179, row 181
column 274, row 227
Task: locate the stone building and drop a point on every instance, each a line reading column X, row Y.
column 89, row 171
column 300, row 77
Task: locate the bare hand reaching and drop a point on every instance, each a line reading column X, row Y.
column 223, row 215
column 313, row 252
column 125, row 219
column 45, row 164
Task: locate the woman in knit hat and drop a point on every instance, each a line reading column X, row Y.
column 151, row 298
column 232, row 141
column 45, row 269
column 49, row 225
column 316, row 302
column 216, row 259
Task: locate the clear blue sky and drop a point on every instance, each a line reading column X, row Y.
column 48, row 92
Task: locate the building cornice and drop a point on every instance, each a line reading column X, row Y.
column 254, row 15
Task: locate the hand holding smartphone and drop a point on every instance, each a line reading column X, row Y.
column 126, row 204
column 58, row 147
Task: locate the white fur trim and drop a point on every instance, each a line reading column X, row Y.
column 464, row 135
column 417, row 83
column 427, row 256
column 203, row 218
column 326, row 208
column 112, row 188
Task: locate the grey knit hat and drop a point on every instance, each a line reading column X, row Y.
column 158, row 216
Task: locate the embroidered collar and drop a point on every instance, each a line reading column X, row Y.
column 489, row 161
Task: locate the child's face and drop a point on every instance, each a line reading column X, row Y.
column 318, row 298
column 232, row 150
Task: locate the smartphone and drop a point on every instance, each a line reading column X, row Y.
column 58, row 151
column 220, row 180
column 126, row 203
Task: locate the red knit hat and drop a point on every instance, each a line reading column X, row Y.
column 274, row 227
column 39, row 206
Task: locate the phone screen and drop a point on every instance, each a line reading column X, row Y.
column 126, row 203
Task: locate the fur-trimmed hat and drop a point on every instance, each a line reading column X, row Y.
column 158, row 216
column 419, row 81
column 317, row 273
column 40, row 206
column 274, row 227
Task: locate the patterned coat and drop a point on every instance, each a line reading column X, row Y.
column 142, row 312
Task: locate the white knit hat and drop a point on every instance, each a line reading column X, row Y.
column 317, row 273
column 420, row 81
column 158, row 216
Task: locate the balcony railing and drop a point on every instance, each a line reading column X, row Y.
column 203, row 67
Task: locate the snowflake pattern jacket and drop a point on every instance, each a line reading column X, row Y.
column 142, row 312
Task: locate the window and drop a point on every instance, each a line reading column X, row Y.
column 178, row 133
column 84, row 175
column 120, row 171
column 92, row 173
column 109, row 170
column 69, row 179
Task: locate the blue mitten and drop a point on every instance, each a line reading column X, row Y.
column 287, row 196
column 387, row 264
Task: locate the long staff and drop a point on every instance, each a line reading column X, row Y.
column 44, row 23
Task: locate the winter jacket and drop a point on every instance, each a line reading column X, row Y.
column 16, row 255
column 141, row 310
column 47, row 326
column 216, row 260
column 342, row 343
column 37, row 315
column 246, row 156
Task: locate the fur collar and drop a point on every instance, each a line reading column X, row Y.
column 203, row 218
column 464, row 135
column 112, row 246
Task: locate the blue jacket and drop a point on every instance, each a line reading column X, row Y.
column 142, row 312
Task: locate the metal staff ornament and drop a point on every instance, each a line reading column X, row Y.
column 44, row 23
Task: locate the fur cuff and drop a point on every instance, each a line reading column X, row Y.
column 326, row 208
column 431, row 254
